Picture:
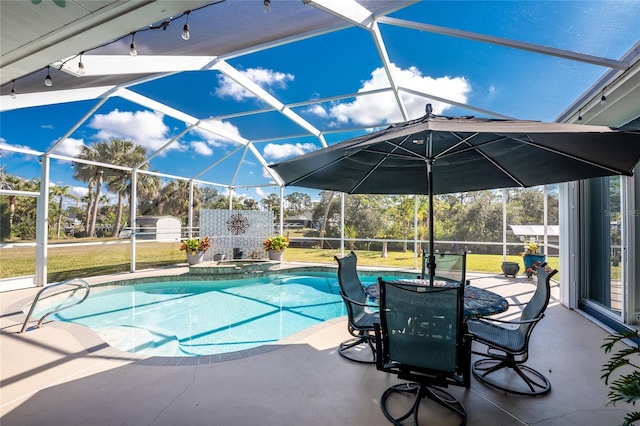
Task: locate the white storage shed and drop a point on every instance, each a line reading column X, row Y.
column 159, row 228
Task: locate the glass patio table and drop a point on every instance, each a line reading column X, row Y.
column 478, row 302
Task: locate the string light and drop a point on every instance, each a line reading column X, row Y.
column 13, row 89
column 81, row 70
column 603, row 99
column 185, row 29
column 47, row 80
column 266, row 7
column 580, row 115
column 132, row 50
column 132, row 47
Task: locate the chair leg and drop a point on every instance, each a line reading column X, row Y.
column 413, row 388
column 349, row 346
column 438, row 395
column 536, row 383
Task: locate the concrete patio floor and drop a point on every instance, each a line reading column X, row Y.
column 66, row 375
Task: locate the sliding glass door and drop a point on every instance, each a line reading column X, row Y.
column 602, row 242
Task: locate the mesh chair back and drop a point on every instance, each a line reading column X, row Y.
column 350, row 285
column 422, row 326
column 450, row 266
column 539, row 301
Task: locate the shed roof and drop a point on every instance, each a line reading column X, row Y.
column 535, row 230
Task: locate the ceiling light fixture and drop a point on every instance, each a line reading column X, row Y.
column 266, row 6
column 185, row 29
column 81, row 70
column 132, row 46
column 13, row 89
column 47, row 80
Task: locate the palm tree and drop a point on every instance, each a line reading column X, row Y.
column 94, row 175
column 272, row 202
column 86, row 173
column 123, row 153
column 61, row 192
column 174, row 197
column 148, row 189
column 102, row 155
column 22, row 210
column 250, row 204
column 11, row 182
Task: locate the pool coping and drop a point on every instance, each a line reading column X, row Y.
column 95, row 345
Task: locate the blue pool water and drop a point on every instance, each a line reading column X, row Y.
column 193, row 318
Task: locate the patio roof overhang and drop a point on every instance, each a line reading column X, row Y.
column 40, row 34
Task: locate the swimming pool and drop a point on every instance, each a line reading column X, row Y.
column 194, row 318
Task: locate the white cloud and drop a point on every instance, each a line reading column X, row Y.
column 201, row 148
column 278, row 152
column 318, row 110
column 260, row 193
column 70, row 147
column 267, row 79
column 266, row 175
column 145, row 128
column 372, row 109
column 8, row 153
column 225, row 192
column 79, row 191
column 215, row 140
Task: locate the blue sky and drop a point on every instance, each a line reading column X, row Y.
column 511, row 82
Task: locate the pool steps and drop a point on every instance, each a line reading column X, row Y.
column 233, row 267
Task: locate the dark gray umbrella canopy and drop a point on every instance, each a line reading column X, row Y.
column 467, row 153
column 440, row 155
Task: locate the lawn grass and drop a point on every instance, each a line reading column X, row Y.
column 81, row 261
column 490, row 263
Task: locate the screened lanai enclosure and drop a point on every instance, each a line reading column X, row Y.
column 114, row 112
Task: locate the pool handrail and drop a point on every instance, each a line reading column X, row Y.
column 81, row 283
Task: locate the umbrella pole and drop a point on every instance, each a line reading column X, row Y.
column 431, row 263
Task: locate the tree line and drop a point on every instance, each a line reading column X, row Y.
column 472, row 216
column 475, row 216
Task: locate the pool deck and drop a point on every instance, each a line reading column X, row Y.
column 63, row 374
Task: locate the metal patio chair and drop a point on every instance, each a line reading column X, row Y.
column 361, row 313
column 449, row 266
column 421, row 338
column 508, row 348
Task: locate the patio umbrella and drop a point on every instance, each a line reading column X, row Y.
column 438, row 155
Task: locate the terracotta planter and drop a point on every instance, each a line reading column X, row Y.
column 195, row 259
column 275, row 255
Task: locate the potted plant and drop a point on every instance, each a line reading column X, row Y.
column 625, row 387
column 510, row 268
column 195, row 248
column 530, row 256
column 275, row 246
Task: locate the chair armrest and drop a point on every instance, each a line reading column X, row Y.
column 378, row 346
column 356, row 302
column 515, row 322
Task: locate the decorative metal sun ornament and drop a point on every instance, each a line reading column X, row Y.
column 237, row 224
